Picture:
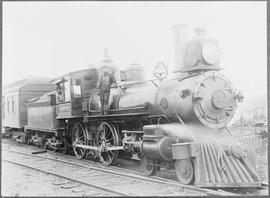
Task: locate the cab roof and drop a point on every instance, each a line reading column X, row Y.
column 71, row 74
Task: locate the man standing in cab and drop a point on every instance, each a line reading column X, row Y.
column 104, row 87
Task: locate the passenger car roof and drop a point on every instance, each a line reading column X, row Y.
column 17, row 85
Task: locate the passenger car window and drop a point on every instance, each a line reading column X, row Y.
column 8, row 104
column 13, row 104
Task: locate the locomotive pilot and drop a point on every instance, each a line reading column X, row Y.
column 104, row 87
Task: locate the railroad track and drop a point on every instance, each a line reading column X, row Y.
column 109, row 181
column 75, row 182
column 137, row 173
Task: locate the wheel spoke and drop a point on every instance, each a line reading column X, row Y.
column 79, row 151
column 110, row 152
column 80, row 137
column 76, row 131
column 107, row 129
column 101, row 128
column 109, row 140
column 107, row 135
column 80, row 132
column 101, row 134
column 109, row 157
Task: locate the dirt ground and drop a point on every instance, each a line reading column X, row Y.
column 20, row 181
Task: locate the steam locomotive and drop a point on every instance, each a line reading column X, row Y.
column 179, row 122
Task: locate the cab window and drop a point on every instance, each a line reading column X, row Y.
column 90, row 83
column 63, row 91
column 77, row 88
column 60, row 93
column 67, row 91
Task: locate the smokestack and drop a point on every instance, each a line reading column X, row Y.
column 180, row 37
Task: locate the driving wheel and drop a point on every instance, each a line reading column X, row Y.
column 107, row 137
column 78, row 137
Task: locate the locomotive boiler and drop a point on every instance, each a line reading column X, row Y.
column 207, row 98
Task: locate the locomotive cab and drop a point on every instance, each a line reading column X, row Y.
column 72, row 89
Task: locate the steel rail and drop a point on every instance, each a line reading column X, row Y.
column 136, row 176
column 67, row 178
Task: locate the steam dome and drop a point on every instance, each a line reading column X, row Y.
column 135, row 72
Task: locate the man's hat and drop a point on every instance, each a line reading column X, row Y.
column 105, row 68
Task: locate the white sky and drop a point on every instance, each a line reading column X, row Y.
column 53, row 38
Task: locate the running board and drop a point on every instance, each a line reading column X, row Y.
column 113, row 117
